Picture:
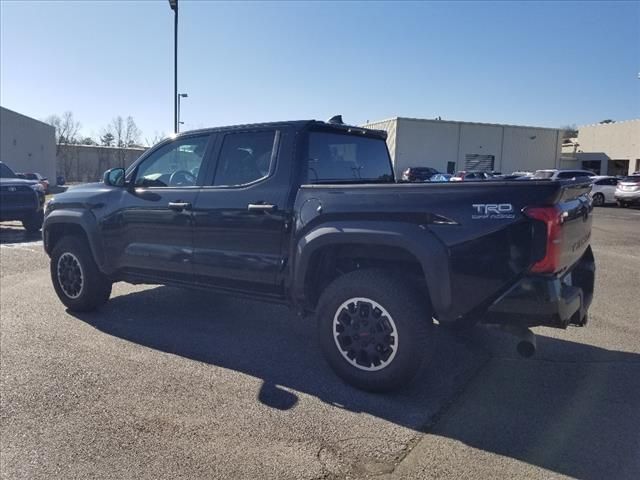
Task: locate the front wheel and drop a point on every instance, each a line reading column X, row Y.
column 78, row 282
column 33, row 223
column 375, row 329
column 598, row 200
column 622, row 204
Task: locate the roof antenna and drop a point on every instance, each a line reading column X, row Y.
column 336, row 119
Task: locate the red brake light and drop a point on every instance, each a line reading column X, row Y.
column 552, row 218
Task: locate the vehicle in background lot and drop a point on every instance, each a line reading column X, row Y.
column 418, row 174
column 465, row 176
column 38, row 178
column 555, row 174
column 628, row 191
column 308, row 214
column 21, row 200
column 441, row 177
column 522, row 173
column 603, row 189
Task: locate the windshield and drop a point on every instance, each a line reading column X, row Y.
column 342, row 158
column 631, row 178
column 6, row 172
column 543, row 174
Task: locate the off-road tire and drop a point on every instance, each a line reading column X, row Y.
column 33, row 223
column 411, row 317
column 95, row 287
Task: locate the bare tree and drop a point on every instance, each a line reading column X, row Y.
column 569, row 131
column 124, row 134
column 157, row 138
column 106, row 139
column 88, row 141
column 66, row 128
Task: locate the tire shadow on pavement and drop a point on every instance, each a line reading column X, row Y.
column 269, row 342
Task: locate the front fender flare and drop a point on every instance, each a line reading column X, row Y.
column 86, row 220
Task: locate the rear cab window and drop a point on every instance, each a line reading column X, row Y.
column 335, row 157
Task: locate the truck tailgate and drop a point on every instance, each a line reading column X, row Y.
column 562, row 230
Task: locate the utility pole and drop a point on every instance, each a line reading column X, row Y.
column 174, row 6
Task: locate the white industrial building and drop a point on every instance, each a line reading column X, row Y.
column 27, row 144
column 607, row 148
column 450, row 146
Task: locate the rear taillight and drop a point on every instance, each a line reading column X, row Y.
column 552, row 218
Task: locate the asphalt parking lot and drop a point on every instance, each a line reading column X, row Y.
column 168, row 383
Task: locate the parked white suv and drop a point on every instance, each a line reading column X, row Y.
column 603, row 189
column 555, row 174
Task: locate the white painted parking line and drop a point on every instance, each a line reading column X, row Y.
column 23, row 245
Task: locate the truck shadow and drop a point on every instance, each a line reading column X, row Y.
column 13, row 232
column 556, row 414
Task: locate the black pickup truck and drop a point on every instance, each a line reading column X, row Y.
column 21, row 200
column 308, row 213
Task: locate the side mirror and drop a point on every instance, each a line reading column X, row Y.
column 114, row 177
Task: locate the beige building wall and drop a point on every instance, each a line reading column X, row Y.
column 613, row 141
column 417, row 142
column 530, row 149
column 477, row 139
column 425, row 143
column 27, row 144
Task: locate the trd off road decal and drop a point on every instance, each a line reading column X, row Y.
column 492, row 211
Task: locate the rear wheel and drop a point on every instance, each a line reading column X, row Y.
column 375, row 329
column 78, row 282
column 33, row 223
column 598, row 199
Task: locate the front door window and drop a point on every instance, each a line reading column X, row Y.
column 176, row 164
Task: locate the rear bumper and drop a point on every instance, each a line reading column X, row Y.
column 627, row 197
column 548, row 300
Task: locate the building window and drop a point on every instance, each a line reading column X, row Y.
column 475, row 161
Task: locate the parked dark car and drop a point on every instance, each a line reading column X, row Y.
column 20, row 200
column 418, row 174
column 36, row 177
column 308, row 214
column 628, row 191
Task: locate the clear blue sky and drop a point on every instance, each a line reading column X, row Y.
column 539, row 63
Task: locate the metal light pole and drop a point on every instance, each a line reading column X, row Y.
column 180, row 95
column 174, row 6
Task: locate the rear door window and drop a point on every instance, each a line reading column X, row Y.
column 339, row 158
column 245, row 158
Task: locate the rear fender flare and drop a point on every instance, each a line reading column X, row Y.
column 415, row 239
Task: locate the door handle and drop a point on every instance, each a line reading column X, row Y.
column 179, row 206
column 261, row 207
